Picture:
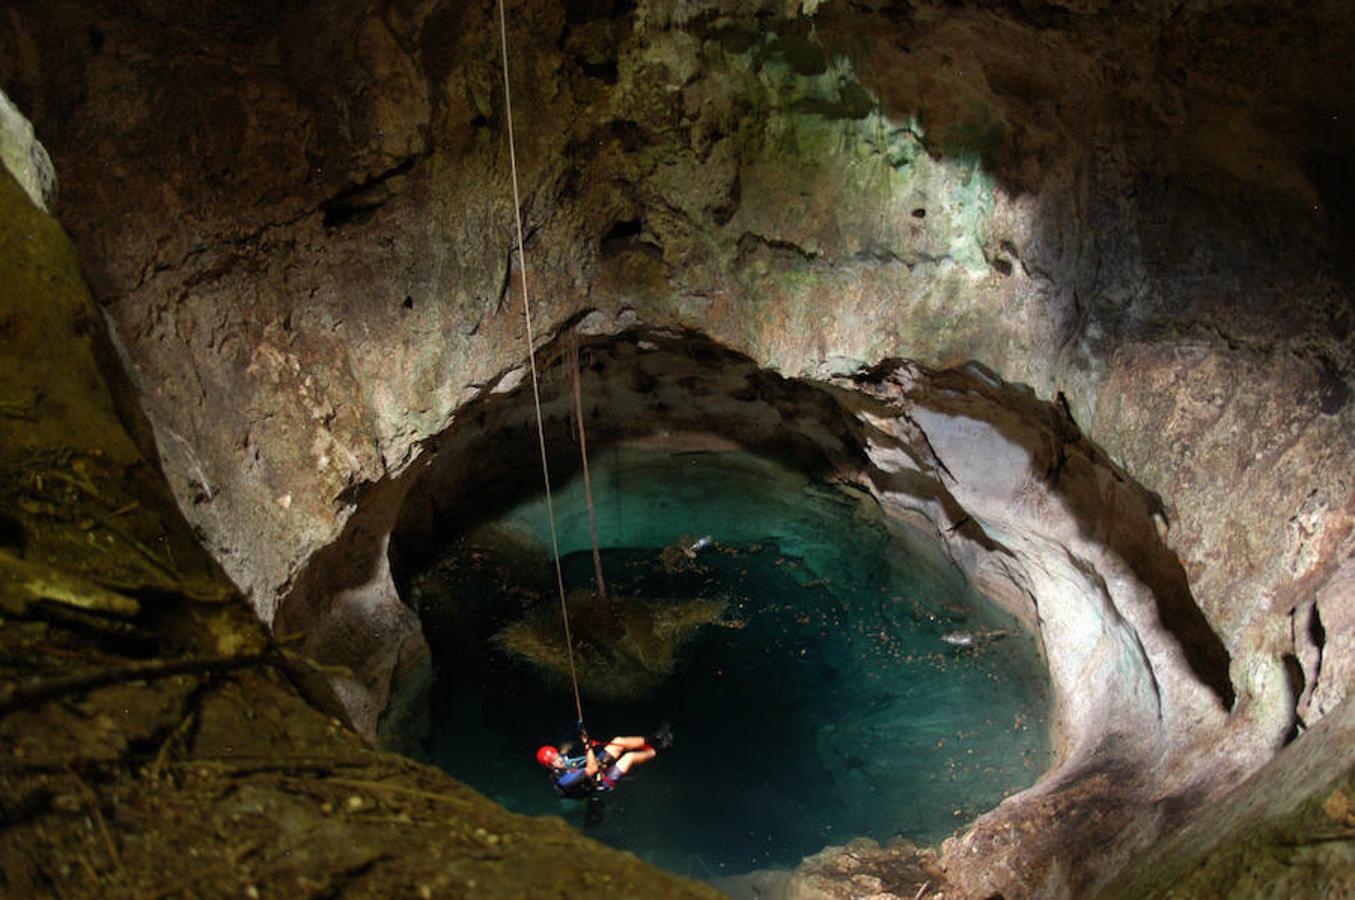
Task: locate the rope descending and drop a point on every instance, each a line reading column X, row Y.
column 588, row 485
column 531, row 357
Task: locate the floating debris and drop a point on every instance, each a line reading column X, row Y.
column 965, row 639
column 679, row 555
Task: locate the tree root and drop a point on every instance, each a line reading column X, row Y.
column 18, row 697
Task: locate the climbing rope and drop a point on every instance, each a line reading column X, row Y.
column 531, row 357
column 587, row 482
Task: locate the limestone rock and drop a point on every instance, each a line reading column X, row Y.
column 624, row 650
column 24, row 157
column 151, row 731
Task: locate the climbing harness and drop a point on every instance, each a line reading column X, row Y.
column 577, row 783
column 536, row 389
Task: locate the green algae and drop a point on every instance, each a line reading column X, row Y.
column 827, row 131
column 619, row 656
column 976, row 138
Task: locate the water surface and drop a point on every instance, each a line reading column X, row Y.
column 825, row 707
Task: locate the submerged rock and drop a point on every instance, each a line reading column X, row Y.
column 616, row 658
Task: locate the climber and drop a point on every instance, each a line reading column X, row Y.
column 603, row 764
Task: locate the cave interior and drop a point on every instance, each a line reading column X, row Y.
column 967, row 393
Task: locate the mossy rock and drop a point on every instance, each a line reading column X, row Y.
column 623, row 651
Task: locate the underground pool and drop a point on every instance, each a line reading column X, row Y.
column 827, row 673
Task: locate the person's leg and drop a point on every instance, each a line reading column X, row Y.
column 623, row 754
column 633, row 758
column 619, row 745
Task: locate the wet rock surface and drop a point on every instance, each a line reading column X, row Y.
column 307, row 262
column 1286, row 830
column 862, row 868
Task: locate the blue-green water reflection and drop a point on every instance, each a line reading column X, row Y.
column 827, row 707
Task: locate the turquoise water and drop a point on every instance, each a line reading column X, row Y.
column 826, row 707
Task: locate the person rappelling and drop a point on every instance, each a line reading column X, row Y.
column 603, row 764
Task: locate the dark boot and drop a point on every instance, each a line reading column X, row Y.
column 662, row 738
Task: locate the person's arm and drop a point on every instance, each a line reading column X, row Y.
column 590, row 765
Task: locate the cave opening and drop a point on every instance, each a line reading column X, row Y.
column 828, row 672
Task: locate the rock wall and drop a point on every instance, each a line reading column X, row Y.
column 1142, row 218
column 139, row 692
column 1284, row 833
column 1034, row 513
column 24, row 157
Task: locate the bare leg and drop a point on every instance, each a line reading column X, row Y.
column 634, row 758
column 618, row 745
column 629, row 752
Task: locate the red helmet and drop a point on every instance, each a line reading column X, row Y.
column 547, row 755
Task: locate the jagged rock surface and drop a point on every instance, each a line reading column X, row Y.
column 154, row 738
column 24, row 157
